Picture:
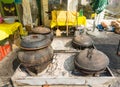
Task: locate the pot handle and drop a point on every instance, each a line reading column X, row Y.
column 90, row 53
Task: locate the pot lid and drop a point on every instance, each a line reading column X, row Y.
column 41, row 30
column 91, row 59
column 35, row 41
column 83, row 40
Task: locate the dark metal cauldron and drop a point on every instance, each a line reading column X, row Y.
column 91, row 61
column 35, row 41
column 43, row 31
column 82, row 41
column 36, row 61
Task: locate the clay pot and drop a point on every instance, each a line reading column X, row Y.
column 36, row 53
column 37, row 59
column 82, row 41
column 91, row 61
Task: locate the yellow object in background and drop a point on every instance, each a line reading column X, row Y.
column 8, row 29
column 59, row 18
column 93, row 15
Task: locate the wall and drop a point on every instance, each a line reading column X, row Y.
column 45, row 18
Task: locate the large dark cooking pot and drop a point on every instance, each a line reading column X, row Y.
column 35, row 41
column 91, row 61
column 82, row 41
column 37, row 60
column 43, row 31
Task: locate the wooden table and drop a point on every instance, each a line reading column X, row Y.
column 67, row 18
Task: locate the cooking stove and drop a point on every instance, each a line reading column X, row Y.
column 61, row 70
column 63, row 66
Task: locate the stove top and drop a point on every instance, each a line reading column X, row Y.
column 61, row 70
column 63, row 66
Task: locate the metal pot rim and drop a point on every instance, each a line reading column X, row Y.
column 39, row 42
column 84, row 68
column 30, row 49
column 84, row 45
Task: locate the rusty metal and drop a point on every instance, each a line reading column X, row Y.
column 82, row 41
column 36, row 60
column 34, row 41
column 91, row 61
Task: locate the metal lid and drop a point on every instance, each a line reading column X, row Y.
column 41, row 30
column 35, row 41
column 92, row 60
column 83, row 40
